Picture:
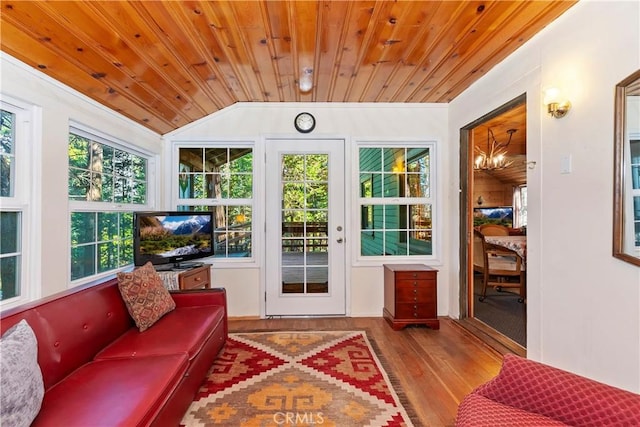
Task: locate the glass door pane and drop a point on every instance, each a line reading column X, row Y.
column 305, row 187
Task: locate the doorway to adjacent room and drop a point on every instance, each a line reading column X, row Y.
column 493, row 176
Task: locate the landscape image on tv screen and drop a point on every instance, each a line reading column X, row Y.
column 498, row 215
column 175, row 236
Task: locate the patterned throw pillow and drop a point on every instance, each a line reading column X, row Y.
column 21, row 385
column 146, row 298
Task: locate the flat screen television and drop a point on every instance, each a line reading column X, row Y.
column 502, row 215
column 169, row 240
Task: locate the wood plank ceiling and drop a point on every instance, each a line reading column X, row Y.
column 165, row 64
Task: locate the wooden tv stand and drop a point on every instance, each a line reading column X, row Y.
column 193, row 278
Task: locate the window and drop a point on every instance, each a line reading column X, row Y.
column 396, row 200
column 220, row 179
column 107, row 183
column 10, row 219
column 520, row 206
column 635, row 184
column 15, row 157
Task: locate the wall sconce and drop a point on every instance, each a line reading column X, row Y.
column 556, row 106
column 306, row 80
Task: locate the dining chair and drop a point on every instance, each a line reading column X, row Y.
column 493, row 230
column 478, row 252
column 501, row 268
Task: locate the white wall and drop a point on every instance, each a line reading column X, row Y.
column 351, row 122
column 59, row 105
column 583, row 304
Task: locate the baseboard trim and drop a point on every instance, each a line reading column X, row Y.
column 244, row 318
column 491, row 337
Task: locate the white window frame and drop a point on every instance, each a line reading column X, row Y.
column 254, row 202
column 89, row 206
column 434, row 200
column 28, row 139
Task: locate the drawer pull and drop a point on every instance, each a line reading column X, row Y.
column 415, row 291
column 198, row 279
column 415, row 274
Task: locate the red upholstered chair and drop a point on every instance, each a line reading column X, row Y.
column 532, row 394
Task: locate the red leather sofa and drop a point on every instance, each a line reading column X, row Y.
column 528, row 393
column 99, row 370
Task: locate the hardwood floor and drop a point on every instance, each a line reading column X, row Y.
column 435, row 369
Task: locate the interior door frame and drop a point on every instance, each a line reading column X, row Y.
column 466, row 224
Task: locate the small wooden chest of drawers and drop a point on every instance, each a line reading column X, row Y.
column 410, row 295
column 195, row 278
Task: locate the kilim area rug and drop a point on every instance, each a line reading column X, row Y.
column 305, row 378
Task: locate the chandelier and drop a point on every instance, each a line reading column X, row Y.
column 495, row 157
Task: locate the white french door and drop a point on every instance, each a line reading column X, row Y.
column 305, row 255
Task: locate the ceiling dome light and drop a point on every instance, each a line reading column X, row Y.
column 306, row 80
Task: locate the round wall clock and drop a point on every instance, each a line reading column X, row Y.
column 304, row 122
